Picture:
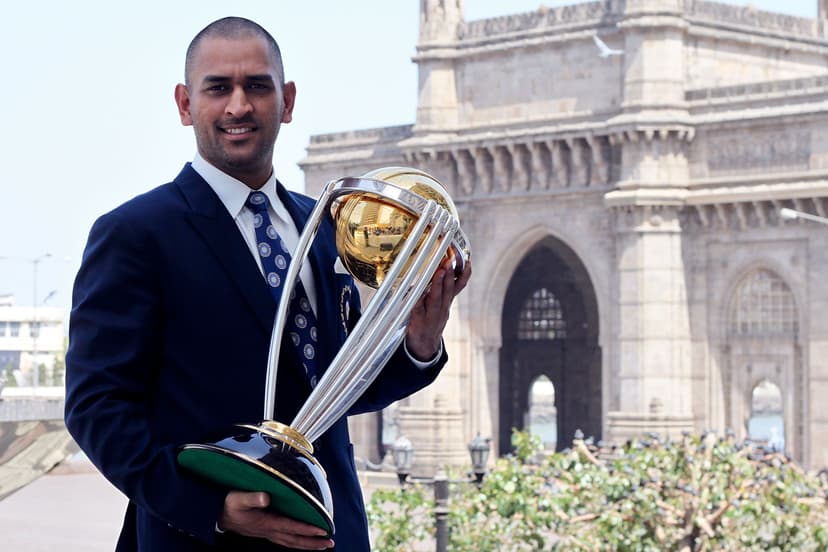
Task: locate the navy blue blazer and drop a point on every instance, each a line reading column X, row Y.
column 168, row 343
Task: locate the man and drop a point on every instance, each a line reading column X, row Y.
column 173, row 309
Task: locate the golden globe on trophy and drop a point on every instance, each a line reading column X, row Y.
column 394, row 226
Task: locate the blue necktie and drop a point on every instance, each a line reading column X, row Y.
column 301, row 322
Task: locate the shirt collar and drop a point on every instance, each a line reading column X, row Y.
column 233, row 193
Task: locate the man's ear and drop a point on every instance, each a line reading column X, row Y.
column 289, row 98
column 182, row 100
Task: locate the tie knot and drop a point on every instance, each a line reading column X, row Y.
column 257, row 202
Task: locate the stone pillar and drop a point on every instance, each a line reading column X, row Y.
column 654, row 72
column 364, row 430
column 435, row 430
column 485, row 391
column 822, row 15
column 652, row 322
column 437, row 98
column 651, row 318
column 433, row 418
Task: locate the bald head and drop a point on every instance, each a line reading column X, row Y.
column 231, row 28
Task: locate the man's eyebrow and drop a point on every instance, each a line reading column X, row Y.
column 211, row 79
column 215, row 78
column 263, row 77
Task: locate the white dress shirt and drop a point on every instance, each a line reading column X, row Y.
column 233, row 194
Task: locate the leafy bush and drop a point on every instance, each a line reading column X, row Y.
column 697, row 493
column 401, row 518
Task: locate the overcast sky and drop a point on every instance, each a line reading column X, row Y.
column 90, row 119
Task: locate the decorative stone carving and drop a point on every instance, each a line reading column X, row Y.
column 520, row 166
column 543, row 18
column 502, row 167
column 609, row 11
column 767, row 149
column 539, row 155
column 482, row 166
column 763, row 89
column 465, row 170
column 579, row 176
column 749, row 16
column 396, row 133
column 440, row 20
column 520, row 170
column 751, row 213
column 646, row 218
column 560, row 165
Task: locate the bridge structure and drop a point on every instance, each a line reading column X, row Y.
column 33, row 439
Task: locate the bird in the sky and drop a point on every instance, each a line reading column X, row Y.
column 606, row 51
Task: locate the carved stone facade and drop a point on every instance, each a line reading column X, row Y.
column 642, row 191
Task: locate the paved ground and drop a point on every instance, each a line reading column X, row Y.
column 73, row 509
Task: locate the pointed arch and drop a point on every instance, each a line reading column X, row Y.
column 762, row 304
column 761, row 328
column 550, row 327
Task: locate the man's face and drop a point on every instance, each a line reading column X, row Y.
column 236, row 105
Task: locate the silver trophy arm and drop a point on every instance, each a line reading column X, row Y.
column 381, row 328
column 342, row 362
column 304, row 245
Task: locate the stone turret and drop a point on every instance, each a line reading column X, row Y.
column 437, row 102
column 439, row 20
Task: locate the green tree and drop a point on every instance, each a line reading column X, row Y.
column 11, row 381
column 400, row 518
column 59, row 369
column 43, row 376
column 700, row 492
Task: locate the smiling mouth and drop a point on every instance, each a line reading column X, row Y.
column 237, row 131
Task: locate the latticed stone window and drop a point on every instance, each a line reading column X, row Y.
column 541, row 317
column 763, row 305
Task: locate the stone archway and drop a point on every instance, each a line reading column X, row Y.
column 550, row 328
column 762, row 332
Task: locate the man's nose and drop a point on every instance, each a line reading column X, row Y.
column 238, row 106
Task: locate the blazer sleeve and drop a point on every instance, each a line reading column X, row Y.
column 114, row 352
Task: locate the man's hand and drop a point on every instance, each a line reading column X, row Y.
column 244, row 514
column 430, row 314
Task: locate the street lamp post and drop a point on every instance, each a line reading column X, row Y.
column 479, row 452
column 790, row 214
column 402, row 452
column 35, row 329
column 35, row 323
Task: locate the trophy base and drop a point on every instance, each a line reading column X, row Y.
column 296, row 490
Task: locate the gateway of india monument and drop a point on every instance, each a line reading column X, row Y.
column 619, row 167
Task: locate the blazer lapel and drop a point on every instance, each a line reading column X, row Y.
column 219, row 231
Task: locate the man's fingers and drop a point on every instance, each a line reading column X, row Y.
column 245, row 513
column 461, row 282
column 293, row 527
column 247, row 501
column 434, row 297
column 295, row 534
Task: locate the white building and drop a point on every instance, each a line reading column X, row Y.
column 29, row 336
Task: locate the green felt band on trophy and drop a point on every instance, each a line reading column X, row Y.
column 245, row 475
